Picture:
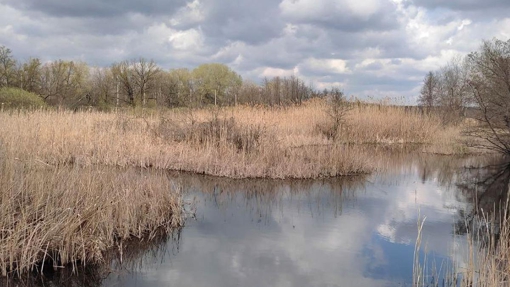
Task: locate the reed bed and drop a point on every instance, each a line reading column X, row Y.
column 490, row 256
column 362, row 124
column 486, row 253
column 68, row 215
column 391, row 124
column 238, row 142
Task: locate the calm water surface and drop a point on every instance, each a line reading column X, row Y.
column 337, row 232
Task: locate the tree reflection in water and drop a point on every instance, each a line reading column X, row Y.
column 487, row 187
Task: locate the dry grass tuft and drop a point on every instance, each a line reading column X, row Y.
column 489, row 253
column 70, row 215
column 216, row 132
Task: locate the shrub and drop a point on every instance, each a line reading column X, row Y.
column 336, row 110
column 215, row 131
column 18, row 98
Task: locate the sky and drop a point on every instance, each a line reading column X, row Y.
column 371, row 49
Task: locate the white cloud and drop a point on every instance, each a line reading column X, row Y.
column 191, row 39
column 191, row 13
column 275, row 72
column 464, row 23
column 365, row 8
column 331, row 66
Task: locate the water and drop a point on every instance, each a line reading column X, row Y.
column 337, row 232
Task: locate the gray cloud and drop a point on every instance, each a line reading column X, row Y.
column 333, row 15
column 401, row 42
column 473, row 9
column 97, row 8
column 253, row 22
column 463, row 5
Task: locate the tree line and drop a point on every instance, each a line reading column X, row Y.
column 479, row 81
column 140, row 82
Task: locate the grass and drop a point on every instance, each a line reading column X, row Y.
column 68, row 215
column 488, row 252
column 491, row 265
column 237, row 142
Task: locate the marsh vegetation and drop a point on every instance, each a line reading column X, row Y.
column 240, row 142
column 67, row 216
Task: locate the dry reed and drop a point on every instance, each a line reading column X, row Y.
column 487, row 252
column 239, row 142
column 57, row 216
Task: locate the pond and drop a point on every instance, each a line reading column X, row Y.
column 337, row 232
column 352, row 231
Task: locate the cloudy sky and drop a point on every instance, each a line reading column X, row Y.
column 370, row 48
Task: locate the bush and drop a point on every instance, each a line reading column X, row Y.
column 18, row 98
column 215, row 131
column 336, row 110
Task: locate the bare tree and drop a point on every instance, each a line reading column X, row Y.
column 64, row 82
column 181, row 81
column 453, row 93
column 285, row 91
column 430, row 91
column 145, row 72
column 102, row 87
column 489, row 82
column 124, row 76
column 336, row 110
column 250, row 93
column 29, row 76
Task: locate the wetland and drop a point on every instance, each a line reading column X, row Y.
column 343, row 231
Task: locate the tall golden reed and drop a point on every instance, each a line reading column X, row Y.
column 238, row 142
column 65, row 215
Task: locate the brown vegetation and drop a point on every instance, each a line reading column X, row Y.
column 74, row 185
column 239, row 142
column 56, row 216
